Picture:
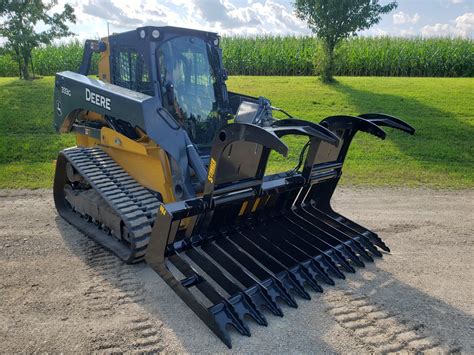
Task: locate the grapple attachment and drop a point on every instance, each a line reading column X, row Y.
column 251, row 242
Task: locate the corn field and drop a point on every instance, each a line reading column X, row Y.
column 359, row 56
column 269, row 55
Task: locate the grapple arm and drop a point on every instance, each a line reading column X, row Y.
column 381, row 119
column 249, row 243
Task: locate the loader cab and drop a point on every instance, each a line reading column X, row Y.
column 182, row 68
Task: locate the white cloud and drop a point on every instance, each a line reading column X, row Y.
column 465, row 24
column 374, row 32
column 437, row 30
column 253, row 18
column 455, row 2
column 463, row 27
column 235, row 17
column 401, row 18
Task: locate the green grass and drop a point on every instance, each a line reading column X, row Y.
column 440, row 155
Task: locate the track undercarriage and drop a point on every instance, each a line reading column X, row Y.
column 97, row 196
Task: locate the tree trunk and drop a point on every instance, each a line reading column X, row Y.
column 24, row 67
column 328, row 63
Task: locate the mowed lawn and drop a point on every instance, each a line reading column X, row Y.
column 439, row 155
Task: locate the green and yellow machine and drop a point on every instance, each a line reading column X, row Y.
column 169, row 167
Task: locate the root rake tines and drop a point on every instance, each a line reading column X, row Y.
column 275, row 268
column 376, row 328
column 132, row 202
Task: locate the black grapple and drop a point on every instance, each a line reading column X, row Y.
column 252, row 241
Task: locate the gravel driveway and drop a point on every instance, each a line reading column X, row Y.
column 60, row 292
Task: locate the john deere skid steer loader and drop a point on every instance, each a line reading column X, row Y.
column 160, row 174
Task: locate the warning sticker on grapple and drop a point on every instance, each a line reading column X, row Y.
column 212, row 171
column 162, row 210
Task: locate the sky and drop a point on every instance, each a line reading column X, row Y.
column 426, row 18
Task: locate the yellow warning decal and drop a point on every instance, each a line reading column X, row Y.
column 162, row 210
column 212, row 171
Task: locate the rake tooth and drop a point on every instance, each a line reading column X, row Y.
column 259, row 300
column 242, row 307
column 338, row 257
column 310, row 276
column 377, row 240
column 315, row 271
column 350, row 254
column 329, row 266
column 369, row 246
column 223, row 316
column 294, row 282
column 276, row 290
column 359, row 249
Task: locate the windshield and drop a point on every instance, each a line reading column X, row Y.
column 189, row 86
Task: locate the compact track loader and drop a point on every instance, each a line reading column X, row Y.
column 160, row 174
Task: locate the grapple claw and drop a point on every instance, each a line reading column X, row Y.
column 223, row 317
column 359, row 249
column 329, row 266
column 252, row 243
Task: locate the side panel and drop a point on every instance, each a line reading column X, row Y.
column 75, row 92
column 144, row 161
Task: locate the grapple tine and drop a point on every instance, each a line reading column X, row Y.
column 329, row 232
column 296, row 249
column 242, row 307
column 294, row 282
column 370, row 247
column 344, row 251
column 268, row 245
column 326, row 262
column 254, row 291
column 350, row 255
column 237, row 301
column 338, row 258
column 290, row 246
column 260, row 300
column 313, row 268
column 220, row 311
column 331, row 252
column 373, row 237
column 361, row 238
column 355, row 245
column 300, row 273
column 224, row 317
column 274, row 288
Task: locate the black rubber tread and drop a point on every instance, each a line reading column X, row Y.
column 133, row 203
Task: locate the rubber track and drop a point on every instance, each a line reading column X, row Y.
column 133, row 203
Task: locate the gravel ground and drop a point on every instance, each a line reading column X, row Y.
column 60, row 292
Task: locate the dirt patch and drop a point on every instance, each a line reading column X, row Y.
column 61, row 292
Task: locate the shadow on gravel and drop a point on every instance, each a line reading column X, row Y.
column 391, row 315
column 372, row 305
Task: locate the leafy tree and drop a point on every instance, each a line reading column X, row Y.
column 335, row 20
column 20, row 18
